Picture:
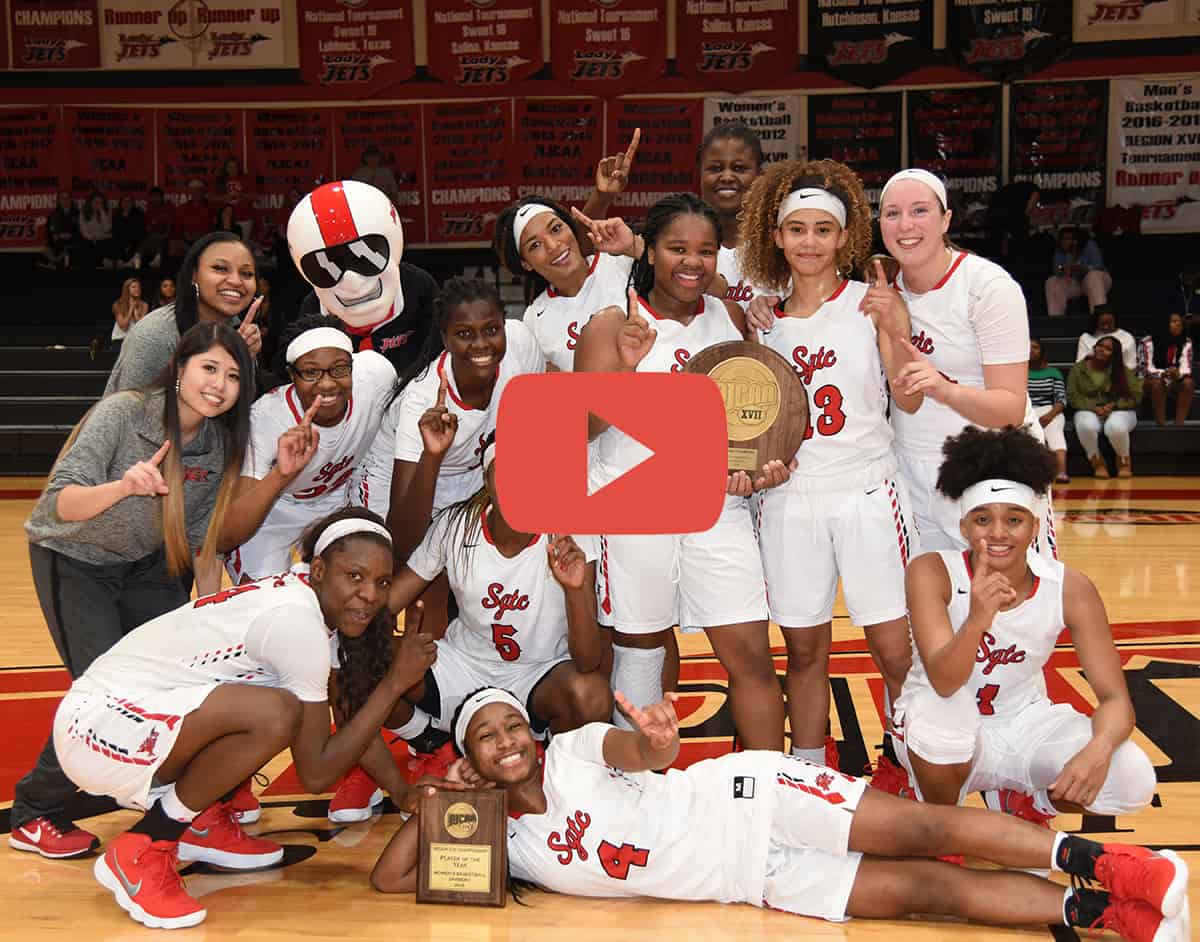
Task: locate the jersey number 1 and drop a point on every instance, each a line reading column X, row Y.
column 506, row 644
column 616, row 861
column 984, row 697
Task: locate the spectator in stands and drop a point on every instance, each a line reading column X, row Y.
column 226, row 221
column 1167, row 359
column 1048, row 394
column 235, row 192
column 194, row 218
column 95, row 232
column 373, row 172
column 127, row 310
column 1009, row 212
column 166, row 293
column 1105, row 324
column 1104, row 394
column 62, row 233
column 1076, row 271
column 159, row 221
column 129, row 228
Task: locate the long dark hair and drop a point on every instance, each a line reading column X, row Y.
column 509, row 252
column 641, row 276
column 1116, row 367
column 363, row 661
column 187, row 301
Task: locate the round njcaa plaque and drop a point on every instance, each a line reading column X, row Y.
column 766, row 404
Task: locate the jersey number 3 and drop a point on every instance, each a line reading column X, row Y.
column 506, row 644
column 832, row 419
column 616, row 861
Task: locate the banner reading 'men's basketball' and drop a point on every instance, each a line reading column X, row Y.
column 194, row 34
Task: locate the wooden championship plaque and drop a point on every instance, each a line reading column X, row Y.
column 462, row 850
column 766, row 404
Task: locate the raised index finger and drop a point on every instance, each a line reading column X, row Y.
column 312, row 411
column 590, row 223
column 161, row 453
column 250, row 314
column 632, row 149
column 441, row 394
column 880, row 278
column 631, row 308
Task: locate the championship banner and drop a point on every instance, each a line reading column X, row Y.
column 730, row 45
column 666, row 157
column 862, row 131
column 607, row 47
column 1154, row 157
column 193, row 144
column 193, row 34
column 397, row 132
column 31, row 139
column 558, row 144
column 1108, row 20
column 61, row 34
column 1058, row 139
column 110, row 150
column 480, row 44
column 362, row 46
column 467, row 168
column 776, row 121
column 956, row 133
column 869, row 42
column 1006, row 39
column 287, row 148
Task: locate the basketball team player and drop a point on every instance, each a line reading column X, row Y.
column 711, row 580
column 730, row 159
column 974, row 714
column 180, row 710
column 589, row 819
column 844, row 513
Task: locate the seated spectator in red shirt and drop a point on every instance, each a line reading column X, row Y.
column 195, row 217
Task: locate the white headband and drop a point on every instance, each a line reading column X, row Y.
column 524, row 216
column 812, row 197
column 335, row 531
column 315, row 339
column 477, row 702
column 921, row 176
column 997, row 491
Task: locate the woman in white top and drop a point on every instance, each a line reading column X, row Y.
column 730, row 159
column 1105, row 324
column 128, row 309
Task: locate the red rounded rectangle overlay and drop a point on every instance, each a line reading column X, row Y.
column 542, row 453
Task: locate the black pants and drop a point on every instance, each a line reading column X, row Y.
column 88, row 609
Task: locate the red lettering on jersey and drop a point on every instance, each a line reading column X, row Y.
column 616, row 861
column 572, row 843
column 807, row 364
column 996, row 657
column 681, row 358
column 327, row 478
column 923, row 343
column 504, row 603
column 739, row 292
column 224, row 595
column 572, row 334
column 196, row 474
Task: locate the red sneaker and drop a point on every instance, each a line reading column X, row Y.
column 1140, row 922
column 355, row 797
column 435, row 763
column 1134, row 873
column 57, row 838
column 216, row 837
column 1018, row 804
column 141, row 874
column 244, row 803
column 891, row 778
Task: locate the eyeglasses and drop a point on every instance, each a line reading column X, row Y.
column 314, row 374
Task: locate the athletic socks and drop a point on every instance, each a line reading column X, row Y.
column 167, row 819
column 815, row 756
column 637, row 673
column 1075, row 855
column 1083, row 907
column 1042, row 803
column 415, row 725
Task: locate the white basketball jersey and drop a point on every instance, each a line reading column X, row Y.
column 269, row 633
column 1008, row 665
column 699, row 834
column 324, row 482
column 944, row 331
column 509, row 609
column 836, row 353
column 555, row 320
column 674, row 344
column 740, row 291
column 461, row 472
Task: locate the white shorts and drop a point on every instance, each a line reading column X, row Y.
column 269, row 550
column 810, row 868
column 372, row 488
column 865, row 535
column 110, row 745
column 457, row 675
column 694, row 580
column 937, row 517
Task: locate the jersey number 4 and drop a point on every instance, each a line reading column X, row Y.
column 506, row 644
column 832, row 419
column 224, row 595
column 984, row 697
column 616, row 861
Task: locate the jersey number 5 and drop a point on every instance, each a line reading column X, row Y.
column 984, row 697
column 832, row 419
column 506, row 645
column 616, row 861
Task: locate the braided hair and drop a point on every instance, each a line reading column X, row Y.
column 660, row 215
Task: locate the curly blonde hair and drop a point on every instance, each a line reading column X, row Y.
column 761, row 260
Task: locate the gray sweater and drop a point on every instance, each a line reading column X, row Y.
column 120, row 431
column 146, row 351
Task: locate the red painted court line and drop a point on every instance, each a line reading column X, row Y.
column 1136, row 493
column 19, row 495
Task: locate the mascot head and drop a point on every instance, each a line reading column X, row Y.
column 346, row 239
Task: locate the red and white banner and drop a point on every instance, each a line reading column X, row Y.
column 776, row 121
column 1108, row 20
column 31, row 142
column 732, row 50
column 666, row 157
column 194, row 34
column 287, row 148
column 558, row 143
column 397, row 132
column 110, row 150
column 468, row 166
column 607, row 47
column 54, row 34
column 484, row 44
column 363, row 46
column 193, row 144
